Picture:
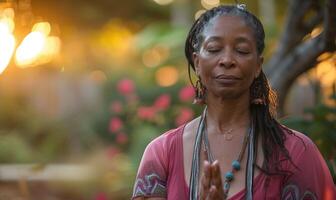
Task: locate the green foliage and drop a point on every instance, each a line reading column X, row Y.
column 14, row 149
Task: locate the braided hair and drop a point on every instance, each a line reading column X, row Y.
column 263, row 115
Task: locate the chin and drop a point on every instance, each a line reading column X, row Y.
column 229, row 95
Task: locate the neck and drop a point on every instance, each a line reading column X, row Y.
column 224, row 114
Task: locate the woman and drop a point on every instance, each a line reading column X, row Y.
column 236, row 149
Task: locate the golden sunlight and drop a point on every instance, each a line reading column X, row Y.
column 7, row 47
column 315, row 32
column 166, row 76
column 29, row 50
column 43, row 27
column 37, row 47
column 7, row 39
column 155, row 56
column 163, row 2
column 208, row 4
column 116, row 40
column 199, row 13
column 326, row 72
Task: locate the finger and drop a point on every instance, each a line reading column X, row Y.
column 213, row 193
column 206, row 180
column 216, row 177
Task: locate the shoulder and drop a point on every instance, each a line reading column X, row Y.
column 164, row 145
column 299, row 145
column 296, row 140
column 156, row 154
column 167, row 139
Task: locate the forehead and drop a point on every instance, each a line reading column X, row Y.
column 228, row 27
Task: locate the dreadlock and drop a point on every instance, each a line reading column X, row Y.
column 263, row 115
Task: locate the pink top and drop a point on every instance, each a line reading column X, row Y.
column 161, row 172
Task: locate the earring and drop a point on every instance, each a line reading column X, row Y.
column 199, row 93
column 257, row 94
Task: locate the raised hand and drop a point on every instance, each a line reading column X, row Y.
column 211, row 182
column 205, row 181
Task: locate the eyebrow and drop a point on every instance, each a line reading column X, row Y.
column 239, row 39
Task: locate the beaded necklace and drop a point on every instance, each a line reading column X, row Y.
column 229, row 176
column 201, row 137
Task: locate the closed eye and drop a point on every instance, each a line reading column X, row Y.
column 241, row 51
column 213, row 50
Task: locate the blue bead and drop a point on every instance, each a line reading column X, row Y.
column 226, row 186
column 236, row 165
column 229, row 176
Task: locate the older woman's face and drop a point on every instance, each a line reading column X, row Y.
column 228, row 60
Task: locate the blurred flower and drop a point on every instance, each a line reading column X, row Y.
column 115, row 124
column 112, row 151
column 146, row 113
column 101, row 196
column 187, row 93
column 162, row 102
column 122, row 138
column 125, row 86
column 185, row 115
column 116, row 107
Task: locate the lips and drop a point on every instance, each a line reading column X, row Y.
column 227, row 80
column 228, row 77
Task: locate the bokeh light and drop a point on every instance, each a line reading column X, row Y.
column 7, row 47
column 43, row 27
column 51, row 47
column 37, row 47
column 208, row 4
column 324, row 56
column 116, row 40
column 199, row 13
column 32, row 45
column 8, row 12
column 326, row 72
column 7, row 39
column 316, row 31
column 163, row 2
column 155, row 56
column 166, row 76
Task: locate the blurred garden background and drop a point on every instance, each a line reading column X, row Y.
column 85, row 85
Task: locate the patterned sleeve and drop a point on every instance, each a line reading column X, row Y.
column 311, row 179
column 152, row 173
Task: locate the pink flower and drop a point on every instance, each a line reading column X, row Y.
column 162, row 102
column 115, row 124
column 185, row 115
column 146, row 113
column 101, row 196
column 187, row 93
column 112, row 151
column 125, row 87
column 116, row 107
column 122, row 138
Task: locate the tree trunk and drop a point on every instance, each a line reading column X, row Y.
column 299, row 48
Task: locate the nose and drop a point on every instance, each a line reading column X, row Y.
column 226, row 60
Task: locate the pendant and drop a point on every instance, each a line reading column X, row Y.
column 228, row 135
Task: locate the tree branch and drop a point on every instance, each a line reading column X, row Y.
column 295, row 56
column 295, row 29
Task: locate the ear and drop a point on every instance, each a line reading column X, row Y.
column 259, row 66
column 196, row 63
